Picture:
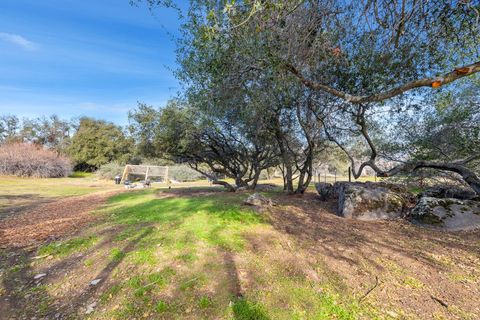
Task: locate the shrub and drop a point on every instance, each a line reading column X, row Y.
column 110, row 170
column 183, row 173
column 28, row 160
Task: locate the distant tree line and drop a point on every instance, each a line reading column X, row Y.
column 88, row 142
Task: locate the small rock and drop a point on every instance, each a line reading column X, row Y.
column 39, row 276
column 95, row 282
column 91, row 308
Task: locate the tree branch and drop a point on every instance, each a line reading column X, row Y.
column 434, row 82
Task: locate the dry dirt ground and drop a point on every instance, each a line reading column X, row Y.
column 432, row 274
column 49, row 221
column 402, row 270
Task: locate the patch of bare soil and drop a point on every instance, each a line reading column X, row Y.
column 49, row 220
column 420, row 273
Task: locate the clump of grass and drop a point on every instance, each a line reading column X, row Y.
column 161, row 306
column 110, row 292
column 463, row 278
column 192, row 282
column 68, row 247
column 145, row 256
column 413, row 283
column 116, row 255
column 204, row 302
column 88, row 262
column 187, row 257
column 245, row 310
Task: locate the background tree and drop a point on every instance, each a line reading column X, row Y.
column 214, row 145
column 9, row 127
column 143, row 125
column 52, row 133
column 97, row 142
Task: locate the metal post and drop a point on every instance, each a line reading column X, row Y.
column 146, row 174
column 349, row 174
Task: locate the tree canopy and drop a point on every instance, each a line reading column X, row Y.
column 97, row 142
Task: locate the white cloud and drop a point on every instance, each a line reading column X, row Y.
column 18, row 40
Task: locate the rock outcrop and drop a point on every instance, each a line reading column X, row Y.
column 449, row 192
column 447, row 213
column 325, row 190
column 368, row 201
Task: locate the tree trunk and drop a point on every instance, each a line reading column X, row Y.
column 240, row 183
column 288, row 180
column 227, row 185
column 254, row 183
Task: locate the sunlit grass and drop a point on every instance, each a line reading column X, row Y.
column 187, row 256
column 64, row 248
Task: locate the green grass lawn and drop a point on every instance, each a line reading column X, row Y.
column 188, row 257
column 19, row 192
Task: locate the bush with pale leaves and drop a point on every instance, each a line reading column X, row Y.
column 28, row 160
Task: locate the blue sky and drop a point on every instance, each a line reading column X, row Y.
column 84, row 57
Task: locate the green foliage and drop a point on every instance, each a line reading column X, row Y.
column 144, row 123
column 109, row 170
column 161, row 306
column 51, row 133
column 97, row 142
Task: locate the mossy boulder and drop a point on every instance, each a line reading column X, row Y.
column 447, row 213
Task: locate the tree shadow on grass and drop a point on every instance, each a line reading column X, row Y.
column 25, row 296
column 15, row 204
column 88, row 292
column 242, row 308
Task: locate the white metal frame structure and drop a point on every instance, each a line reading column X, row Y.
column 147, row 171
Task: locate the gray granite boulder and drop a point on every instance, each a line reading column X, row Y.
column 325, row 190
column 369, row 201
column 449, row 192
column 447, row 213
